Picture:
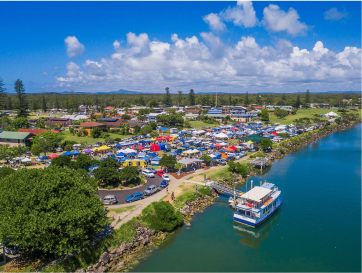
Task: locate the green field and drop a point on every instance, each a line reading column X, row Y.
column 303, row 113
column 199, row 124
column 89, row 139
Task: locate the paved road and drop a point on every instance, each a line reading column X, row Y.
column 122, row 194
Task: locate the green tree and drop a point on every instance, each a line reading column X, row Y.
column 179, row 97
column 266, row 143
column 56, row 102
column 147, row 129
column 36, row 149
column 106, row 176
column 136, row 129
column 238, row 168
column 280, row 113
column 141, row 100
column 10, row 104
column 246, row 101
column 168, row 161
column 96, row 132
column 109, row 163
column 20, row 122
column 62, row 215
column 128, row 173
column 155, row 134
column 22, row 102
column 264, row 115
column 2, row 94
column 5, row 171
column 44, row 105
column 126, row 117
column 50, row 137
column 192, row 97
column 71, row 130
column 40, row 123
column 161, row 216
column 153, row 125
column 307, row 97
column 298, row 102
column 61, row 161
column 167, row 100
column 284, row 97
column 153, row 103
column 207, row 159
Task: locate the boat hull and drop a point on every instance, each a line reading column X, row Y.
column 256, row 224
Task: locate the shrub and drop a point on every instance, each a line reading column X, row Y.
column 205, row 190
column 131, row 185
column 183, row 199
column 161, row 216
column 282, row 151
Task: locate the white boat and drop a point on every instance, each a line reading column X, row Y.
column 258, row 204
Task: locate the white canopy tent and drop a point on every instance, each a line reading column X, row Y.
column 221, row 135
column 331, row 114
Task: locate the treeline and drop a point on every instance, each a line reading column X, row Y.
column 71, row 101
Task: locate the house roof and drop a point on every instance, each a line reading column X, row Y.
column 91, row 124
column 33, row 131
column 14, row 135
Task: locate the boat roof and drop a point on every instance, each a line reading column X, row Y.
column 267, row 186
column 256, row 194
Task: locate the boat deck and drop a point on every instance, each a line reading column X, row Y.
column 268, row 201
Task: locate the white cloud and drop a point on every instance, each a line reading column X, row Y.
column 214, row 22
column 243, row 14
column 55, row 67
column 334, row 15
column 44, row 73
column 277, row 20
column 206, row 63
column 74, row 47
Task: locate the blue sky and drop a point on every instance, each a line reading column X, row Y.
column 234, row 47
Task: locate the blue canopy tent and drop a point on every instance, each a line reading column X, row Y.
column 217, row 155
column 68, row 153
column 94, row 167
column 223, row 151
column 162, row 146
column 152, row 154
column 201, row 149
column 173, row 154
column 212, row 146
column 123, row 159
column 185, row 146
column 118, row 145
column 141, row 154
column 44, row 157
column 121, row 154
column 155, row 161
column 75, row 152
column 132, row 154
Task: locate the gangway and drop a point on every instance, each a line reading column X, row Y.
column 223, row 188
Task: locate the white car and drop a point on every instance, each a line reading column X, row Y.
column 148, row 173
column 166, row 177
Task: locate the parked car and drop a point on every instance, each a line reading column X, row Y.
column 160, row 172
column 151, row 169
column 164, row 184
column 109, row 199
column 151, row 190
column 59, row 150
column 220, row 161
column 12, row 250
column 28, row 153
column 166, row 177
column 148, row 173
column 134, row 197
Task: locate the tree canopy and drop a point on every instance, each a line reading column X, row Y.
column 168, row 161
column 54, row 210
column 266, row 143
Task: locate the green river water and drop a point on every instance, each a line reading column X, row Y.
column 317, row 228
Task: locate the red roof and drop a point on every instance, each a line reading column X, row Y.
column 33, row 131
column 109, row 107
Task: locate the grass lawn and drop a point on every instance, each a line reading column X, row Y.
column 121, row 210
column 303, row 113
column 89, row 139
column 214, row 175
column 199, row 124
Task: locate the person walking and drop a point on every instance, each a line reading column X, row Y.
column 197, row 188
column 167, row 190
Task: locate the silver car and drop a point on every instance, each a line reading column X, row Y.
column 109, row 199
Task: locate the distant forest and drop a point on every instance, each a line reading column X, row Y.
column 71, row 101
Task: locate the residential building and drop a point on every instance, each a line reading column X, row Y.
column 242, row 117
column 108, row 109
column 214, row 111
column 15, row 138
column 191, row 116
column 33, row 131
column 111, row 122
column 218, row 117
column 151, row 117
column 135, row 110
column 237, row 110
column 63, row 122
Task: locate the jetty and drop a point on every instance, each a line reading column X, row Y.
column 225, row 189
column 260, row 162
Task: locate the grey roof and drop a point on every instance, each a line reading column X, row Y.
column 14, row 135
column 187, row 161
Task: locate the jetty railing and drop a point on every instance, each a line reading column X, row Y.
column 223, row 188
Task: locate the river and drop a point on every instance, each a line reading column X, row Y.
column 317, row 228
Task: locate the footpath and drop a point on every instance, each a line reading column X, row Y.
column 174, row 183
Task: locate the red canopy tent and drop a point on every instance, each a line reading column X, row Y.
column 155, row 148
column 161, row 138
column 275, row 133
column 141, row 147
column 168, row 137
column 53, row 156
column 233, row 147
column 218, row 145
column 235, row 129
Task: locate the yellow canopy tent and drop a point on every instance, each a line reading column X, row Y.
column 250, row 142
column 102, row 148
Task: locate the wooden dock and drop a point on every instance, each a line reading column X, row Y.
column 224, row 189
column 260, row 162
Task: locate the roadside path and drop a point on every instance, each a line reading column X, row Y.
column 158, row 196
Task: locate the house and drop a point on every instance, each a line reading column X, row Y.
column 92, row 124
column 242, row 117
column 63, row 122
column 135, row 110
column 236, row 110
column 215, row 111
column 218, row 117
column 151, row 117
column 191, row 116
column 192, row 111
column 15, row 138
column 132, row 125
column 82, row 109
column 111, row 122
column 76, row 117
column 33, row 131
column 109, row 109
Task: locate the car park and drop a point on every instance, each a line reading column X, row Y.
column 135, row 197
column 151, row 190
column 148, row 173
column 160, row 173
column 109, row 200
column 164, row 184
column 166, row 177
column 220, row 161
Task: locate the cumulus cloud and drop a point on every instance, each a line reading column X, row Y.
column 243, row 14
column 214, row 22
column 207, row 63
column 44, row 73
column 74, row 47
column 277, row 20
column 334, row 15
